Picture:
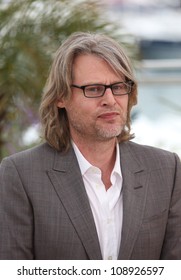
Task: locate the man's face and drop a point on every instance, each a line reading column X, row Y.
column 94, row 119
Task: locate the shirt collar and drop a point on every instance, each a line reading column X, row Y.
column 85, row 164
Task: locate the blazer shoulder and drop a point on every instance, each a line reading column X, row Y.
column 42, row 153
column 151, row 156
column 148, row 149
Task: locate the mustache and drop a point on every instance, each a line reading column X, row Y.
column 111, row 111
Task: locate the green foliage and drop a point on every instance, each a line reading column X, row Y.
column 30, row 33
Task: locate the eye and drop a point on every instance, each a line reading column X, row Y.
column 118, row 87
column 94, row 89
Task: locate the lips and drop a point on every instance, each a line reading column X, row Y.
column 109, row 115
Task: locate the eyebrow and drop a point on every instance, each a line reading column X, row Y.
column 97, row 83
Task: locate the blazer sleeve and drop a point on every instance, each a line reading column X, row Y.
column 172, row 242
column 16, row 215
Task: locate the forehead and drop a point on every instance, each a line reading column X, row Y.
column 92, row 60
column 93, row 68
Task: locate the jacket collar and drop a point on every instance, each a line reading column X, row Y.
column 67, row 181
column 135, row 181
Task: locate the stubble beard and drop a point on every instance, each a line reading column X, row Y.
column 109, row 133
column 110, row 130
column 100, row 132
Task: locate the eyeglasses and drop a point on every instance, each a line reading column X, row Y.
column 98, row 90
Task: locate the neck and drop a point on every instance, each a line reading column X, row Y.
column 100, row 154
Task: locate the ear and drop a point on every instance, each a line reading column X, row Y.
column 61, row 103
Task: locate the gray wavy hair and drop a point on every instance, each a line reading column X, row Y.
column 55, row 125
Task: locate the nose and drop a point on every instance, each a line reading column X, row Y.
column 108, row 99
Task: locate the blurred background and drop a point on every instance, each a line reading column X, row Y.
column 31, row 31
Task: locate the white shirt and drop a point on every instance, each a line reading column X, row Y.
column 107, row 206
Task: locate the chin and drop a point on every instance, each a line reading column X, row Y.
column 109, row 134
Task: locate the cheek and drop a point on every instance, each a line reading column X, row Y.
column 123, row 102
column 82, row 105
column 79, row 110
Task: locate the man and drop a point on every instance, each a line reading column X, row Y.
column 89, row 192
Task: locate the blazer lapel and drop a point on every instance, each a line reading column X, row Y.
column 135, row 180
column 67, row 181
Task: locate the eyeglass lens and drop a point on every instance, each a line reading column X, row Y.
column 99, row 90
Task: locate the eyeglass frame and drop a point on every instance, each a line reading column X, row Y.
column 128, row 83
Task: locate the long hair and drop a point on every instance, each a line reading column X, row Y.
column 54, row 120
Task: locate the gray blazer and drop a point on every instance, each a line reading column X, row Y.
column 45, row 212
